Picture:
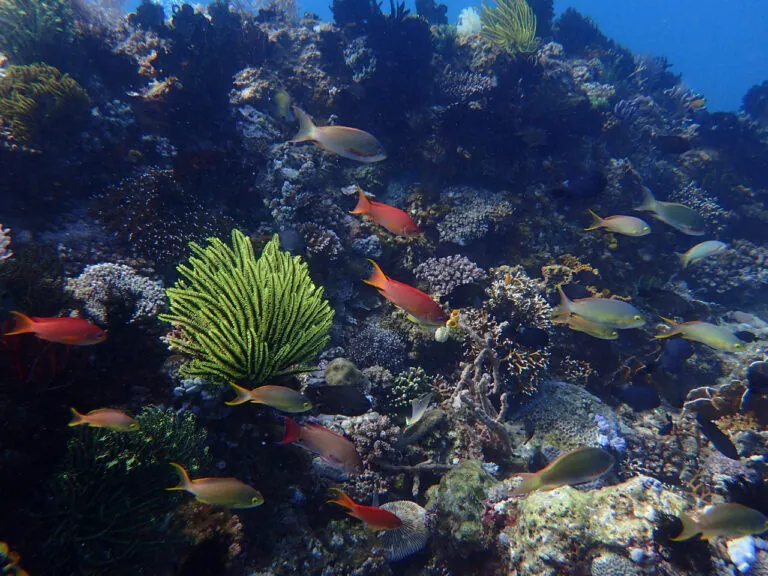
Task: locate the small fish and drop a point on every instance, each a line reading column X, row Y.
column 389, row 217
column 575, row 467
column 726, row 520
column 65, row 330
column 697, row 104
column 626, row 225
column 280, row 397
column 282, row 101
column 594, row 329
column 418, row 305
column 705, row 333
column 679, row 216
column 350, row 143
column 702, row 250
column 418, row 407
column 346, row 399
column 375, row 517
column 227, row 492
column 109, row 418
column 607, row 311
column 331, row 447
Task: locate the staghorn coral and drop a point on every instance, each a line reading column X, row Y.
column 5, row 242
column 42, row 105
column 243, row 318
column 106, row 509
column 107, row 291
column 444, row 275
column 511, row 24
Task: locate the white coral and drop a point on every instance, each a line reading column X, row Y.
column 5, row 241
column 469, row 22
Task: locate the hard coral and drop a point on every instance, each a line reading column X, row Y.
column 444, row 275
column 110, row 292
column 5, row 241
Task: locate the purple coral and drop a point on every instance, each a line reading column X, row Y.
column 443, row 275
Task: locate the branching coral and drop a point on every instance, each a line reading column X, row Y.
column 243, row 318
column 106, row 509
column 511, row 24
column 41, row 104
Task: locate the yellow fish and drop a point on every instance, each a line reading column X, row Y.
column 607, row 311
column 109, row 418
column 281, row 397
column 727, row 520
column 227, row 492
column 626, row 225
column 705, row 333
column 347, row 142
column 594, row 329
column 679, row 216
column 575, row 467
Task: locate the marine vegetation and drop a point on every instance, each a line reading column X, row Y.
column 106, row 507
column 34, row 30
column 510, row 24
column 41, row 104
column 239, row 318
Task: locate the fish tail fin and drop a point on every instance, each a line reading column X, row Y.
column 243, row 395
column 649, row 202
column 378, row 279
column 77, row 418
column 292, row 431
column 184, row 480
column 597, row 222
column 306, row 126
column 530, row 483
column 363, row 204
column 564, row 309
column 24, row 324
column 672, row 332
column 690, row 529
column 683, row 259
column 342, row 499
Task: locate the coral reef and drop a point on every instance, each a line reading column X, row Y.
column 42, row 105
column 444, row 275
column 111, row 291
column 5, row 242
column 242, row 318
column 107, row 506
column 511, row 24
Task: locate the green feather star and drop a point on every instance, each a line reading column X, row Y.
column 246, row 319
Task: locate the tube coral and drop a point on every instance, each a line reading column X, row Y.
column 242, row 318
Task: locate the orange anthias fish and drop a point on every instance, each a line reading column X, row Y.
column 391, row 218
column 331, row 447
column 66, row 330
column 110, row 418
column 227, row 492
column 347, row 142
column 375, row 517
column 418, row 305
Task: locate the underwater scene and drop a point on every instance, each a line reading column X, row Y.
column 379, row 295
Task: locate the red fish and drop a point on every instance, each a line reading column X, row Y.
column 418, row 305
column 331, row 447
column 376, row 518
column 391, row 218
column 66, row 330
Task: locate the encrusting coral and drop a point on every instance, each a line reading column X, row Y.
column 239, row 318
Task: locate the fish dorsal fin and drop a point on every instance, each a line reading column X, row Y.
column 319, row 428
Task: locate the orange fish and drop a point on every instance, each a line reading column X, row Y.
column 375, row 517
column 227, row 492
column 66, row 330
column 110, row 418
column 391, row 218
column 418, row 305
column 331, row 447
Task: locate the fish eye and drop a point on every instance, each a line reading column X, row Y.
column 637, row 317
column 614, row 333
column 738, row 345
column 307, row 405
